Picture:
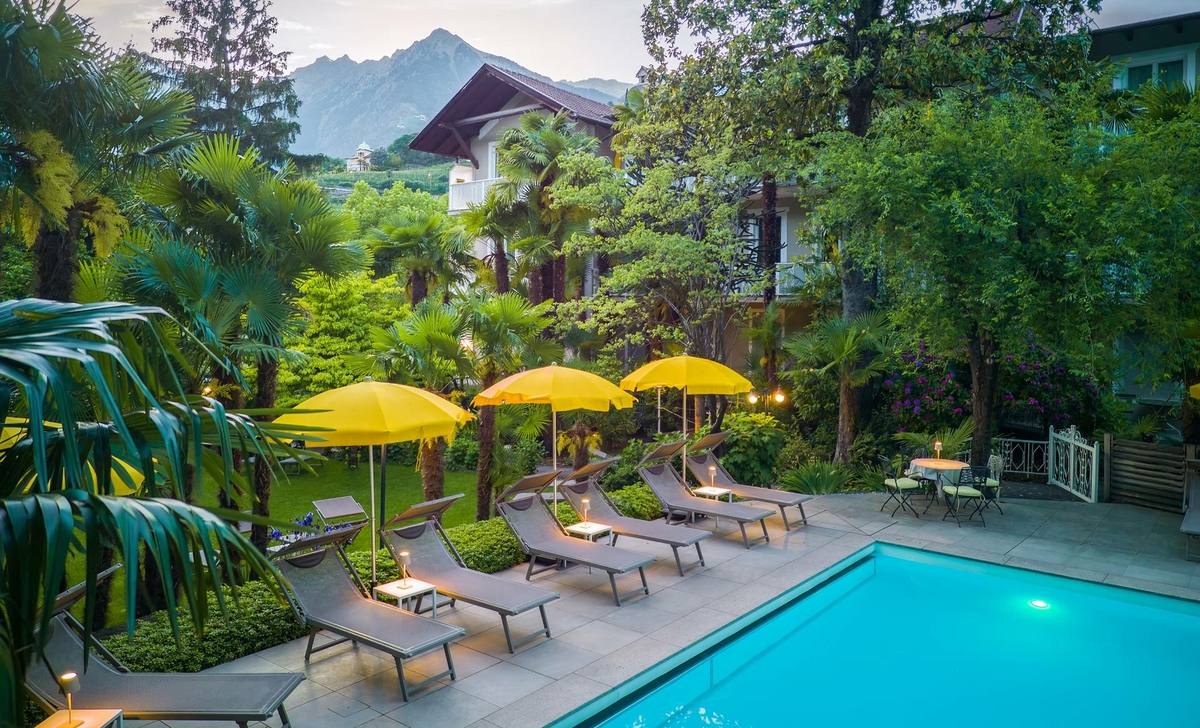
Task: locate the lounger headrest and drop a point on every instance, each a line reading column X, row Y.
column 521, row 504
column 530, row 484
column 428, row 509
column 666, row 451
column 709, row 442
column 327, row 540
column 579, row 488
column 412, row 531
column 307, row 560
column 589, row 471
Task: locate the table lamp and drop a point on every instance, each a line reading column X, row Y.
column 585, row 509
column 712, row 475
column 69, row 683
column 937, row 448
column 405, row 560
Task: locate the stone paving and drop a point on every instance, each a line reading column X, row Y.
column 597, row 645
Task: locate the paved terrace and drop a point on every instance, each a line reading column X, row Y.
column 597, row 645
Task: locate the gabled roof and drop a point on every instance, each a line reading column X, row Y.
column 487, row 92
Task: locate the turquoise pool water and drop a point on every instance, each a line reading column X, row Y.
column 907, row 638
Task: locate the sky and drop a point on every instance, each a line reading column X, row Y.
column 564, row 39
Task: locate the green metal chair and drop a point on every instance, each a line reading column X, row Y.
column 991, row 493
column 972, row 481
column 899, row 486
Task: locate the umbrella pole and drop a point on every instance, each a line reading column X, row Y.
column 683, row 465
column 660, row 410
column 554, row 455
column 371, row 465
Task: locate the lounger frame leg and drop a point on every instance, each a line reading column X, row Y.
column 679, row 562
column 761, row 539
column 513, row 645
column 558, row 564
column 618, row 596
column 284, row 721
column 312, row 636
column 407, row 688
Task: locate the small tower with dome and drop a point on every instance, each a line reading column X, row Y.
column 361, row 161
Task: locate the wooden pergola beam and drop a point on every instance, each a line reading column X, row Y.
column 462, row 143
column 497, row 114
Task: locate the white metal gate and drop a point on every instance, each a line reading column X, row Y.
column 1074, row 463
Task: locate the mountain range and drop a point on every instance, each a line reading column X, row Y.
column 344, row 102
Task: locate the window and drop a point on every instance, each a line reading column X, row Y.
column 1166, row 73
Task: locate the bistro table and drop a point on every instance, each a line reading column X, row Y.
column 939, row 470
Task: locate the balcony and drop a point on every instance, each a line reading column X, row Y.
column 464, row 194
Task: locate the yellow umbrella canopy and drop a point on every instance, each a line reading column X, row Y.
column 376, row 413
column 697, row 374
column 1195, row 391
column 563, row 388
column 693, row 374
column 126, row 479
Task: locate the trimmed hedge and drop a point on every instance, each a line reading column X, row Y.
column 259, row 620
column 637, row 501
column 487, row 546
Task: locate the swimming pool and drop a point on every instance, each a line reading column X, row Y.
column 898, row 637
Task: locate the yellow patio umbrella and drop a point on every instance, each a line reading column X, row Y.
column 376, row 413
column 1194, row 390
column 563, row 388
column 126, row 479
column 689, row 373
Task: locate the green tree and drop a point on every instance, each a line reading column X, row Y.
column 504, row 224
column 504, row 333
column 78, row 127
column 54, row 510
column 989, row 221
column 399, row 149
column 429, row 248
column 854, row 352
column 529, row 158
column 256, row 224
column 220, row 52
column 370, row 207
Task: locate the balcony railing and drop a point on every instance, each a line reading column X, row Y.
column 464, row 194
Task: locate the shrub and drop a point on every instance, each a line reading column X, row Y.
column 623, row 473
column 637, row 501
column 403, row 453
column 488, row 546
column 566, row 514
column 529, row 454
column 385, row 566
column 798, row 451
column 463, row 453
column 754, row 444
column 259, row 620
column 815, row 479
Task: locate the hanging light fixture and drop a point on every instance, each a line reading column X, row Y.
column 752, row 398
column 779, row 396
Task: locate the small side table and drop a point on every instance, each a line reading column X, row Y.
column 95, row 718
column 416, row 587
column 708, row 491
column 590, row 530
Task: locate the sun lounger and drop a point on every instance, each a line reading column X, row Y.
column 329, row 596
column 542, row 536
column 435, row 560
column 584, row 483
column 106, row 683
column 709, row 471
column 1191, row 515
column 671, row 491
column 339, row 511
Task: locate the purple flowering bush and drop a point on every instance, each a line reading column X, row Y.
column 1036, row 387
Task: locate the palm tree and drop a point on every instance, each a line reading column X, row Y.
column 504, row 334
column 530, row 158
column 500, row 221
column 428, row 246
column 424, row 350
column 265, row 233
column 79, row 126
column 628, row 115
column 55, row 508
column 854, row 351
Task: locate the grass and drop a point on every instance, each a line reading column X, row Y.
column 292, row 497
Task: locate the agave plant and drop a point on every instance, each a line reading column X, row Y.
column 816, row 478
column 107, row 373
column 953, row 439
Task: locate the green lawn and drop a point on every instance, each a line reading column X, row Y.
column 292, row 497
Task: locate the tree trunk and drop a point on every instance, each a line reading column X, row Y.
column 103, row 589
column 547, row 271
column 264, row 398
column 433, row 468
column 847, row 421
column 419, row 288
column 500, row 265
column 487, row 451
column 535, row 286
column 981, row 353
column 770, row 246
column 560, row 278
column 56, row 259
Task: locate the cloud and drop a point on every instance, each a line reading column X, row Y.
column 293, row 25
column 321, row 46
column 143, row 15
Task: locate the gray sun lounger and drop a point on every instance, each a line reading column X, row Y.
column 675, row 496
column 434, row 559
column 1191, row 515
column 699, row 462
column 237, row 698
column 583, row 483
column 542, row 536
column 329, row 596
